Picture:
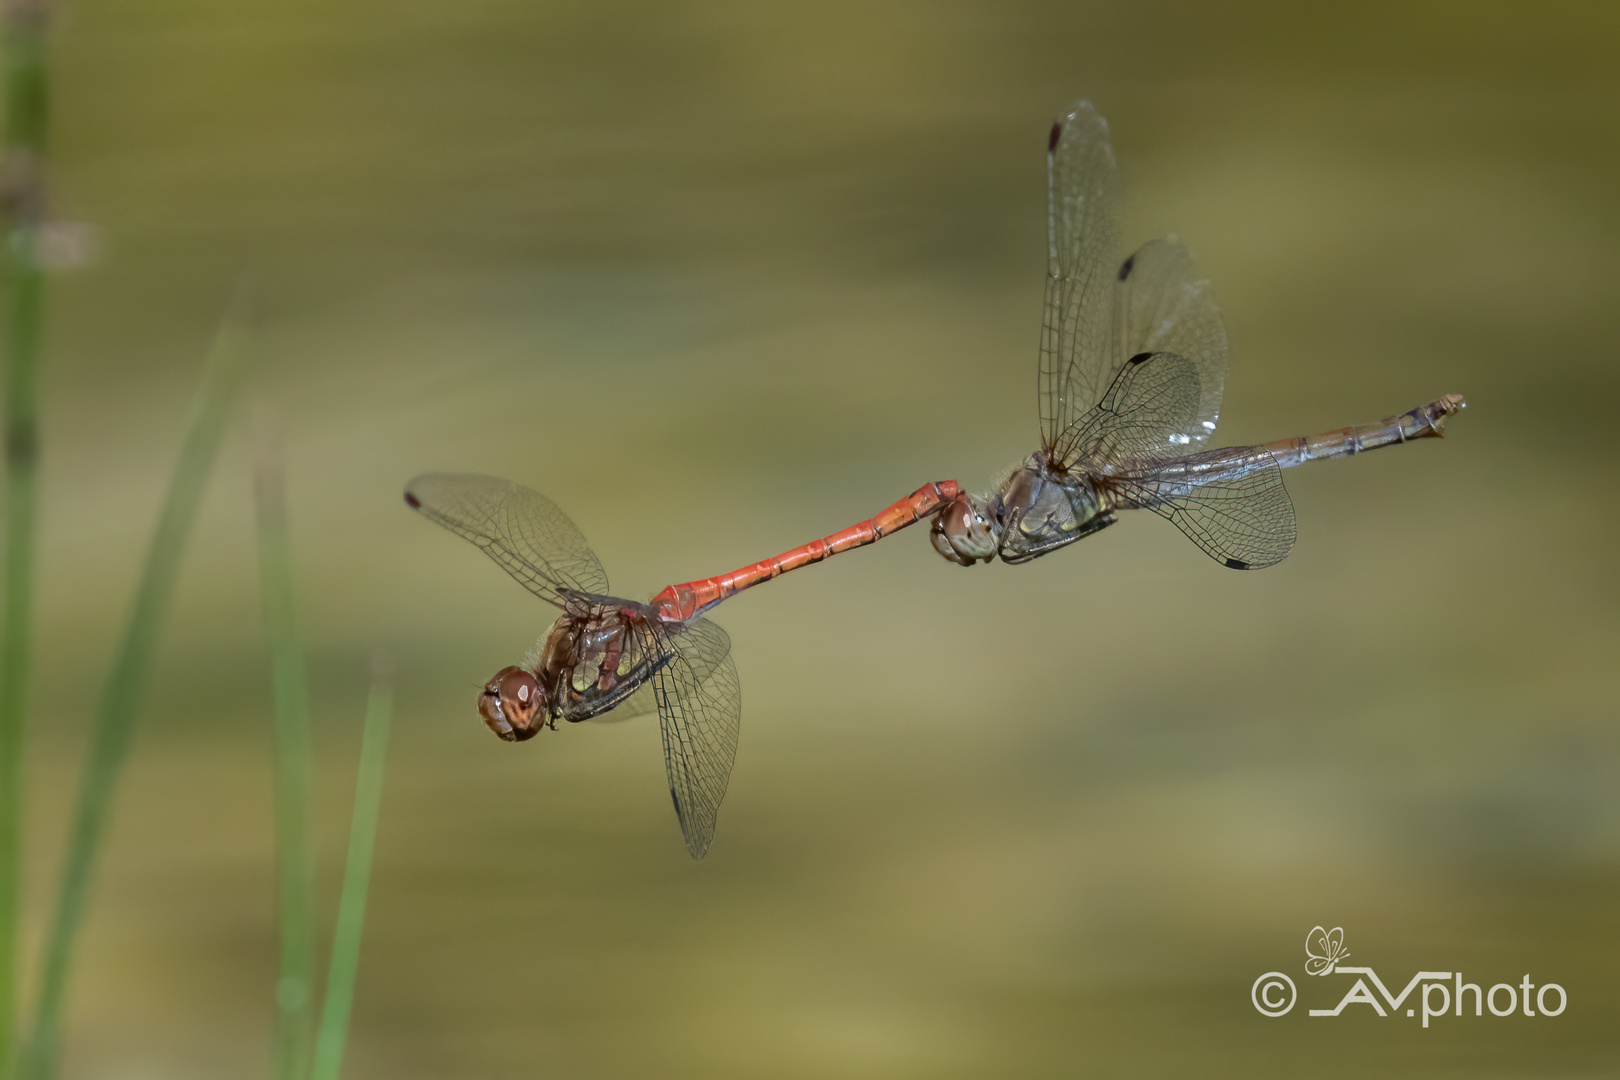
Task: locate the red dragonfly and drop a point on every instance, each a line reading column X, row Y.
column 1132, row 365
column 605, row 652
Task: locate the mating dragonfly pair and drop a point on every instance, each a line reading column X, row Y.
column 1132, row 365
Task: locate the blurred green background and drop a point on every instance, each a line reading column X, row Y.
column 721, row 278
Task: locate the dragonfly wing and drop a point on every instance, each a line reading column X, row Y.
column 1144, row 416
column 640, row 703
column 1082, row 235
column 522, row 530
column 1230, row 502
column 700, row 715
column 644, row 701
column 1163, row 304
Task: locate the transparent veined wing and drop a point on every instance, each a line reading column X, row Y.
column 641, row 703
column 1082, row 236
column 1163, row 305
column 1142, row 417
column 1231, row 502
column 700, row 716
column 703, row 666
column 522, row 530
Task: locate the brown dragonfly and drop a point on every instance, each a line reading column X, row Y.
column 605, row 652
column 1132, row 365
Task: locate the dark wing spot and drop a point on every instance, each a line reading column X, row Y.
column 1052, row 139
column 1236, row 564
column 1139, row 357
column 1125, row 268
column 412, row 501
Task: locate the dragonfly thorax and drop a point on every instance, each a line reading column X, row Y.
column 1041, row 512
column 590, row 660
column 589, row 655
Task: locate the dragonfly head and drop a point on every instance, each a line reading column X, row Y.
column 513, row 705
column 967, row 530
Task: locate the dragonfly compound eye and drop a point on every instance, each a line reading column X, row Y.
column 965, row 531
column 512, row 704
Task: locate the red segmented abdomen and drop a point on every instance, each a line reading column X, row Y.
column 682, row 602
column 1423, row 422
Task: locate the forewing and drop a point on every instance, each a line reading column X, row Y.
column 700, row 715
column 1162, row 304
column 520, row 529
column 1082, row 235
column 1143, row 417
column 1230, row 502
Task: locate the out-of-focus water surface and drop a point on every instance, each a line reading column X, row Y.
column 722, row 278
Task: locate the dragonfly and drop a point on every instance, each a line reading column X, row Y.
column 604, row 652
column 1132, row 366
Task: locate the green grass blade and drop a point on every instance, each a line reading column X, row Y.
column 25, row 74
column 356, row 877
column 125, row 689
column 295, row 856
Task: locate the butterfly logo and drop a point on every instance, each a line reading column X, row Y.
column 1323, row 949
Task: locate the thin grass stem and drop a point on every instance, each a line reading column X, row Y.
column 333, row 1034
column 24, row 196
column 295, row 855
column 125, row 689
